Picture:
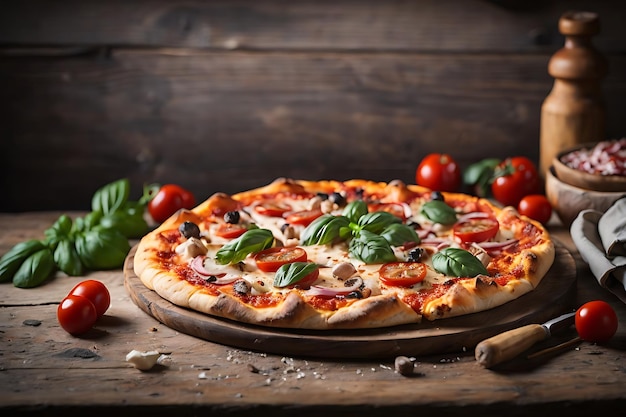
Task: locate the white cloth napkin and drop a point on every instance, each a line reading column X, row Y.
column 601, row 240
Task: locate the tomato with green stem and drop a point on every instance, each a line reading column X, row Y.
column 515, row 178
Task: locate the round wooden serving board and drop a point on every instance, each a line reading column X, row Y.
column 551, row 298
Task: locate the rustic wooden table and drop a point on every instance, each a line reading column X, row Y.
column 45, row 371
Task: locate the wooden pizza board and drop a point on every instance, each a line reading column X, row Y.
column 552, row 297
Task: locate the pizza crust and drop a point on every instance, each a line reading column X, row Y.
column 380, row 310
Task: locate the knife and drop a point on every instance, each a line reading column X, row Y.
column 505, row 346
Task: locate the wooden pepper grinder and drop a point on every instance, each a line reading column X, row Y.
column 573, row 112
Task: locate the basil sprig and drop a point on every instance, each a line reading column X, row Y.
column 253, row 240
column 291, row 273
column 458, row 262
column 99, row 240
column 370, row 235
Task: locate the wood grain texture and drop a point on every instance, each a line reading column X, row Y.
column 47, row 372
column 425, row 25
column 229, row 95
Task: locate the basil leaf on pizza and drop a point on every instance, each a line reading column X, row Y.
column 292, row 273
column 458, row 262
column 355, row 210
column 253, row 240
column 377, row 221
column 439, row 212
column 371, row 248
column 325, row 230
column 398, row 234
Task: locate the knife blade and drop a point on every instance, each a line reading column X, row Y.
column 505, row 346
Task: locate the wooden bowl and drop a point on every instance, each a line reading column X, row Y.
column 581, row 179
column 568, row 200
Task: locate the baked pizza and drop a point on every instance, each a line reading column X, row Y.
column 343, row 255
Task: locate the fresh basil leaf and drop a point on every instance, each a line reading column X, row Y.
column 128, row 220
column 253, row 240
column 15, row 257
column 355, row 210
column 439, row 212
column 377, row 221
column 35, row 269
column 398, row 234
column 111, row 197
column 102, row 248
column 60, row 230
column 324, row 230
column 66, row 258
column 291, row 273
column 371, row 248
column 458, row 263
column 479, row 175
column 91, row 220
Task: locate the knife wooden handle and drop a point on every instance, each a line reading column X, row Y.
column 507, row 345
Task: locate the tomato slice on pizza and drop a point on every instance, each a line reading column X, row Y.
column 269, row 260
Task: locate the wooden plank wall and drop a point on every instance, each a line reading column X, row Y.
column 228, row 95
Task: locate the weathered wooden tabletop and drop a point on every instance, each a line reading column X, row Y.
column 46, row 371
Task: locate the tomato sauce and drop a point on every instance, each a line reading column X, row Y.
column 418, row 299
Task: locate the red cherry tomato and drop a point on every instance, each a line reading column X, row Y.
column 230, row 231
column 596, row 321
column 402, row 274
column 535, row 206
column 168, row 200
column 304, row 217
column 269, row 260
column 96, row 292
column 477, row 229
column 76, row 314
column 439, row 172
column 272, row 208
column 515, row 178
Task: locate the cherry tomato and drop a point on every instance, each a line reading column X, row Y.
column 269, row 260
column 96, row 292
column 596, row 321
column 516, row 177
column 304, row 217
column 402, row 274
column 76, row 314
column 272, row 208
column 535, row 206
column 477, row 229
column 439, row 172
column 230, row 231
column 168, row 200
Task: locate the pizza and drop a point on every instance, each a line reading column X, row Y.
column 343, row 255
